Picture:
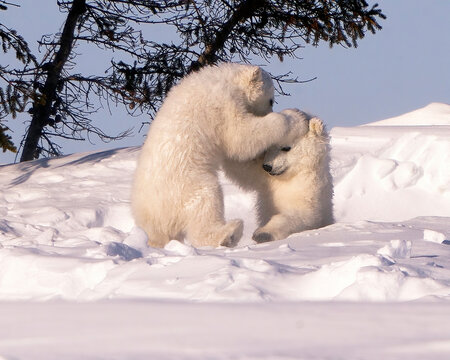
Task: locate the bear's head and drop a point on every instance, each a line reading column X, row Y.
column 257, row 88
column 305, row 149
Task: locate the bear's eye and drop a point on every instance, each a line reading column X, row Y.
column 271, row 102
column 286, row 148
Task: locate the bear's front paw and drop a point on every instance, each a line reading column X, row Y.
column 262, row 237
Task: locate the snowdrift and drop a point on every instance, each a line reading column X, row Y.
column 66, row 231
column 387, row 173
column 432, row 114
column 358, row 289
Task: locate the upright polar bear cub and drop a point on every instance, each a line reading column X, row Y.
column 220, row 112
column 292, row 180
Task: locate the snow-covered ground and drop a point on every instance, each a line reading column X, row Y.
column 77, row 280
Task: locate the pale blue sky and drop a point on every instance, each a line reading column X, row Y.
column 403, row 67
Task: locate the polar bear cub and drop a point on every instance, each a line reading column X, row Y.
column 299, row 183
column 292, row 180
column 220, row 112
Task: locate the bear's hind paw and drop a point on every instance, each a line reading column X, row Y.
column 237, row 228
column 230, row 241
column 263, row 237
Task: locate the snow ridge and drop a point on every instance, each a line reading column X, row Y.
column 67, row 232
column 359, row 289
column 430, row 115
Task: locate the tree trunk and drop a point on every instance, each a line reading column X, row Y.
column 242, row 12
column 42, row 106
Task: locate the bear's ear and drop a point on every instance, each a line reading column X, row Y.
column 316, row 126
column 256, row 75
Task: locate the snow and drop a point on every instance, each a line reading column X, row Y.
column 190, row 331
column 432, row 114
column 387, row 173
column 78, row 281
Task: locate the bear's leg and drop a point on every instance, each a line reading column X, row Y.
column 233, row 232
column 209, row 233
column 247, row 136
column 155, row 239
column 279, row 227
column 206, row 225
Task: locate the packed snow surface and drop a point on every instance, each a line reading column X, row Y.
column 376, row 284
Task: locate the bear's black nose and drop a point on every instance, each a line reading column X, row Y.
column 267, row 168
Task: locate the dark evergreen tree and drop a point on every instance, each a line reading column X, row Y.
column 240, row 30
column 13, row 93
column 64, row 100
column 208, row 31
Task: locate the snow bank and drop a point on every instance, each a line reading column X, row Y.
column 390, row 173
column 432, row 114
column 136, row 330
column 358, row 289
column 67, row 232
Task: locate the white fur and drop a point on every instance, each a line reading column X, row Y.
column 220, row 112
column 297, row 194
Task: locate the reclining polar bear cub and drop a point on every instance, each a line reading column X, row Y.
column 292, row 180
